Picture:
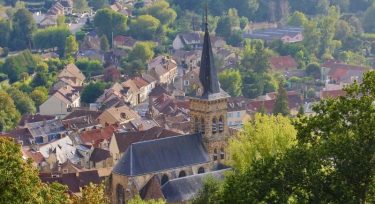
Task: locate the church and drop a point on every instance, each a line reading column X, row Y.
column 171, row 168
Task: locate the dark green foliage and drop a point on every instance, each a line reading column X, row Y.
column 23, row 28
column 313, row 70
column 40, row 79
column 23, row 102
column 108, row 22
column 133, row 68
column 104, row 45
column 145, row 27
column 16, row 65
column 92, row 91
column 281, row 104
column 9, row 115
column 98, row 4
column 51, row 37
column 90, row 67
column 231, row 82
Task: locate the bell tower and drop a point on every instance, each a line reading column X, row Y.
column 208, row 112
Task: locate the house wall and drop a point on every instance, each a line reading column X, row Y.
column 177, row 43
column 237, row 118
column 54, row 106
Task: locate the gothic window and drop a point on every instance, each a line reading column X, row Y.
column 182, row 174
column 202, row 126
column 221, row 124
column 215, row 154
column 214, row 126
column 164, row 179
column 222, row 154
column 120, row 194
column 201, row 170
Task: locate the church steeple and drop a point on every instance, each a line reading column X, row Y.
column 208, row 73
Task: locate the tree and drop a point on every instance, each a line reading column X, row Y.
column 301, row 111
column 297, row 19
column 142, row 51
column 162, row 12
column 23, row 27
column 137, row 200
column 263, row 137
column 23, row 102
column 71, row 46
column 5, row 32
column 133, row 68
column 98, row 4
column 230, row 81
column 9, row 115
column 20, row 182
column 92, row 91
column 108, row 22
column 90, row 67
column 51, row 37
column 40, row 79
column 281, row 104
column 368, row 20
column 144, row 27
column 313, row 70
column 311, row 36
column 104, row 45
column 340, row 134
column 92, row 194
column 210, row 192
column 39, row 95
column 80, row 5
column 255, row 57
column 15, row 66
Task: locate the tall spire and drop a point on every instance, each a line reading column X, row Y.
column 208, row 72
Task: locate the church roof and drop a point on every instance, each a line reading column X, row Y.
column 186, row 188
column 208, row 72
column 162, row 154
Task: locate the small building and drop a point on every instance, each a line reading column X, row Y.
column 283, row 63
column 125, row 42
column 187, row 41
column 286, row 34
column 72, row 73
column 61, row 102
column 163, row 68
column 117, row 116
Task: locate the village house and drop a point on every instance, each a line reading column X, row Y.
column 90, row 42
column 117, row 116
column 283, row 63
column 163, row 68
column 187, row 41
column 286, row 35
column 61, row 102
column 267, row 103
column 124, row 42
column 72, row 73
column 187, row 59
column 336, row 72
column 68, row 6
column 237, row 113
column 190, row 82
column 45, row 131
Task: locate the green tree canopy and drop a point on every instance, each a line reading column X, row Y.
column 20, row 182
column 162, row 12
column 368, row 20
column 265, row 136
column 9, row 115
column 71, row 46
column 104, row 45
column 108, row 22
column 144, row 27
column 92, row 194
column 51, row 37
column 281, row 104
column 39, row 95
column 92, row 91
column 231, row 81
column 142, row 51
column 23, row 102
column 23, row 28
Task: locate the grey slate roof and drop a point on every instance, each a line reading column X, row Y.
column 186, row 188
column 162, row 154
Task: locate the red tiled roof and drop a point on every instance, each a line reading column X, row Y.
column 97, row 135
column 282, row 63
column 37, row 157
column 140, row 82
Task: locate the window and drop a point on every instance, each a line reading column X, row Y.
column 222, row 154
column 201, row 170
column 182, row 174
column 214, row 126
column 230, row 115
column 238, row 114
column 221, row 124
column 186, row 82
column 65, row 171
column 164, row 179
column 120, row 194
column 215, row 155
column 203, row 127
